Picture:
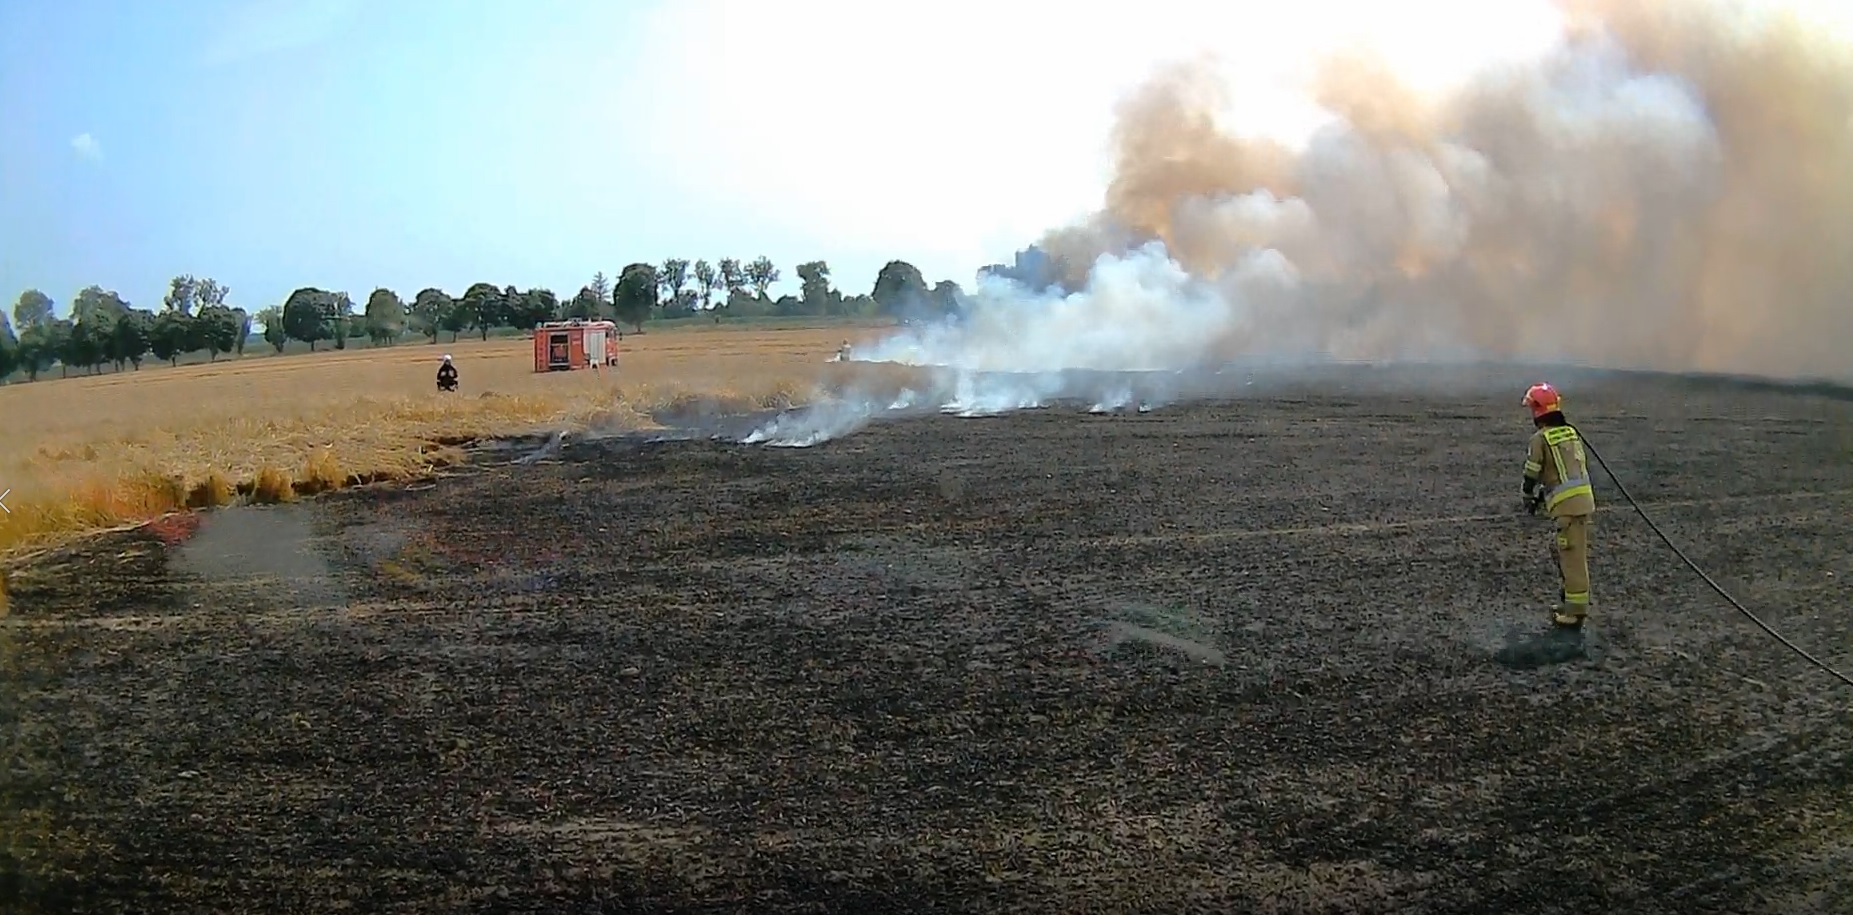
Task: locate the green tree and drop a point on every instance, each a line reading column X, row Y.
column 132, row 336
column 171, row 335
column 306, row 315
column 272, row 319
column 601, row 288
column 9, row 348
column 31, row 310
column 671, row 279
column 50, row 341
column 182, row 295
column 83, row 346
column 96, row 313
column 456, row 318
column 584, row 304
column 244, row 330
column 38, row 347
column 517, row 309
column 815, row 292
column 528, row 309
column 485, row 306
column 707, row 279
column 744, row 304
column 760, row 275
column 207, row 292
column 899, row 288
column 175, row 331
column 732, row 280
column 634, row 299
column 385, row 316
column 680, row 306
column 98, row 306
column 338, row 313
column 216, row 328
column 428, row 310
column 947, row 297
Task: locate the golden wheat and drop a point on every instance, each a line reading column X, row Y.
column 94, row 451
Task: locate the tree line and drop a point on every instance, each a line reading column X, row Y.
column 105, row 330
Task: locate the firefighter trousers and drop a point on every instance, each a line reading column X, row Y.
column 1573, row 561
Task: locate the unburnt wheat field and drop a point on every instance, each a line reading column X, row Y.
column 1258, row 651
column 93, row 450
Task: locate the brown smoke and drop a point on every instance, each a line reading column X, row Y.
column 1673, row 190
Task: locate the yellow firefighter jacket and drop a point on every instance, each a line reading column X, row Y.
column 1556, row 464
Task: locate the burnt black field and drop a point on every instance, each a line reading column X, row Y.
column 1271, row 653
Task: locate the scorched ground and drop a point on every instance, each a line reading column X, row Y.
column 1236, row 656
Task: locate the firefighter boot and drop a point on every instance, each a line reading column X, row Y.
column 1568, row 615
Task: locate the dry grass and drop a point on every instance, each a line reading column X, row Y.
column 214, row 490
column 96, row 451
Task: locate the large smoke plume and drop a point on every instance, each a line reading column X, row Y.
column 1671, row 188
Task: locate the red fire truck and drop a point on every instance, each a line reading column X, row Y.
column 561, row 346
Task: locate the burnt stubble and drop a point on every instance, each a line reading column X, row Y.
column 1249, row 655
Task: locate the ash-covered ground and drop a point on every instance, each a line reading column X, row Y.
column 1238, row 655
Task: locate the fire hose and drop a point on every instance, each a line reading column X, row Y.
column 1734, row 602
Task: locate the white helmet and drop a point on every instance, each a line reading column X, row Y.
column 446, row 357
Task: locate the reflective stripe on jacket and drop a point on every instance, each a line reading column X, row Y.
column 1556, row 461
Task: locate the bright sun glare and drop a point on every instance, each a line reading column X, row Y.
column 1000, row 114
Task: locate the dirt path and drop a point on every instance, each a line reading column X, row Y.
column 1215, row 658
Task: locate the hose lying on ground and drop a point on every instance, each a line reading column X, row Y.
column 1817, row 662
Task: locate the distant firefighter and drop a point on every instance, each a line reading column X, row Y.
column 1557, row 480
column 447, row 375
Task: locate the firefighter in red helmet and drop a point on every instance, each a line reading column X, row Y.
column 1557, row 480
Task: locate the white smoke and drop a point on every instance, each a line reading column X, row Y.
column 1654, row 193
column 828, row 419
column 1139, row 312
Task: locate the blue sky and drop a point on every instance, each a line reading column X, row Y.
column 322, row 142
column 424, row 142
column 272, row 144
